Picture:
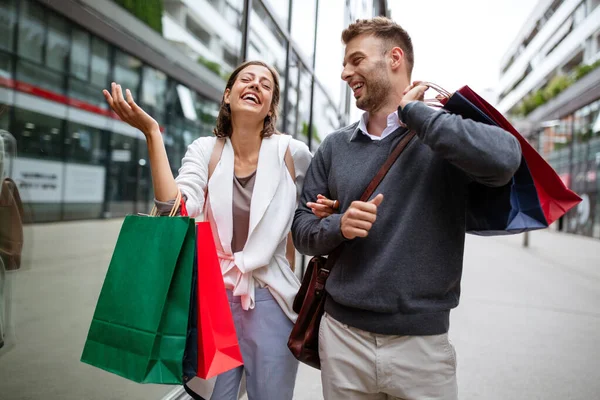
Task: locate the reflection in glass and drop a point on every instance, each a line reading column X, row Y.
column 80, row 54
column 8, row 19
column 281, row 8
column 127, row 71
column 231, row 10
column 38, row 135
column 5, row 65
column 303, row 32
column 100, row 62
column 325, row 119
column 85, row 172
column 40, row 76
column 330, row 54
column 122, row 177
column 57, row 43
column 154, row 93
column 84, row 144
column 302, row 109
column 268, row 43
column 38, row 168
column 31, row 31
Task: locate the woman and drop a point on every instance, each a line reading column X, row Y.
column 249, row 200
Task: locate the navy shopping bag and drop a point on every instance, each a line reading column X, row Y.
column 510, row 209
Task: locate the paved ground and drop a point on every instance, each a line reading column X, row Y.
column 528, row 326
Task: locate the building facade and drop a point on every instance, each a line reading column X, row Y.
column 550, row 87
column 77, row 160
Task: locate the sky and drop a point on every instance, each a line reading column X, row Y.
column 461, row 42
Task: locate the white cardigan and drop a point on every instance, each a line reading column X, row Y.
column 272, row 207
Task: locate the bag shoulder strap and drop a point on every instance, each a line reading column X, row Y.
column 215, row 156
column 373, row 185
column 386, row 166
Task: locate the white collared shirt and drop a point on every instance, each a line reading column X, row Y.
column 393, row 123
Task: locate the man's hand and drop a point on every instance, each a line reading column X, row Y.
column 359, row 218
column 414, row 92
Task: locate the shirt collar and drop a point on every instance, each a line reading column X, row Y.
column 392, row 121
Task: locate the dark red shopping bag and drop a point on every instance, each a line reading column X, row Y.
column 554, row 197
column 218, row 347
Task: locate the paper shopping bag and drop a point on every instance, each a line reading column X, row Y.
column 139, row 327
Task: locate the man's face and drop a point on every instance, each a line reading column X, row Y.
column 366, row 72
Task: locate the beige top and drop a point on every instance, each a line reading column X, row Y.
column 242, row 195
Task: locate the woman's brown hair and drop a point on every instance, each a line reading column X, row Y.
column 224, row 127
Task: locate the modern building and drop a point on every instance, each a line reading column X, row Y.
column 77, row 160
column 550, row 87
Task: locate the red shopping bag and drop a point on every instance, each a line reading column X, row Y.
column 218, row 347
column 555, row 198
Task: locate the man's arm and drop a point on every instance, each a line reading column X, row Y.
column 488, row 154
column 313, row 235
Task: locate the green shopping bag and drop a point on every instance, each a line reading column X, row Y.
column 139, row 327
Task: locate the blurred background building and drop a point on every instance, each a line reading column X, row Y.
column 76, row 160
column 550, row 86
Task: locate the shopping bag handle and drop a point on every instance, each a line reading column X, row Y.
column 178, row 203
column 440, row 99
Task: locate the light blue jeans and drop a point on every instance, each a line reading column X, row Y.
column 269, row 365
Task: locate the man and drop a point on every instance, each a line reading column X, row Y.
column 390, row 291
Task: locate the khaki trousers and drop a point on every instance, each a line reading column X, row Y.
column 360, row 365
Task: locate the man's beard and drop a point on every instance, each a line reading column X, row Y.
column 377, row 89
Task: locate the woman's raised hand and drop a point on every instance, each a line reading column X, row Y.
column 129, row 111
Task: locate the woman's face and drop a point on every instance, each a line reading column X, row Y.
column 252, row 92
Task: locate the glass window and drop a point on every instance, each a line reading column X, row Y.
column 31, row 31
column 330, row 54
column 224, row 52
column 100, row 62
column 85, row 145
column 207, row 111
column 80, row 54
column 122, row 179
column 281, row 8
column 4, row 115
column 85, row 172
column 5, row 67
column 40, row 76
column 197, row 30
column 82, row 90
column 303, row 32
column 38, row 135
column 127, row 71
column 231, row 10
column 303, row 108
column 325, row 119
column 145, row 194
column 8, row 19
column 154, row 92
column 57, row 45
column 268, row 43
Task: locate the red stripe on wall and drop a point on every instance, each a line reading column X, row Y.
column 59, row 98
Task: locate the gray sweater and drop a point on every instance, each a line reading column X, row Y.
column 404, row 277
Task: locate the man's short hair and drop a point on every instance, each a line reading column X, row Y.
column 384, row 28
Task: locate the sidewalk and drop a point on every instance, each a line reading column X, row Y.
column 527, row 327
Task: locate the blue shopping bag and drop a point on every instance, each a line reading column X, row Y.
column 509, row 209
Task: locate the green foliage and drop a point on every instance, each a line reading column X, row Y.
column 213, row 66
column 555, row 87
column 148, row 11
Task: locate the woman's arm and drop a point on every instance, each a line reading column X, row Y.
column 165, row 188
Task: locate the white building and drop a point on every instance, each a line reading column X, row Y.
column 550, row 87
